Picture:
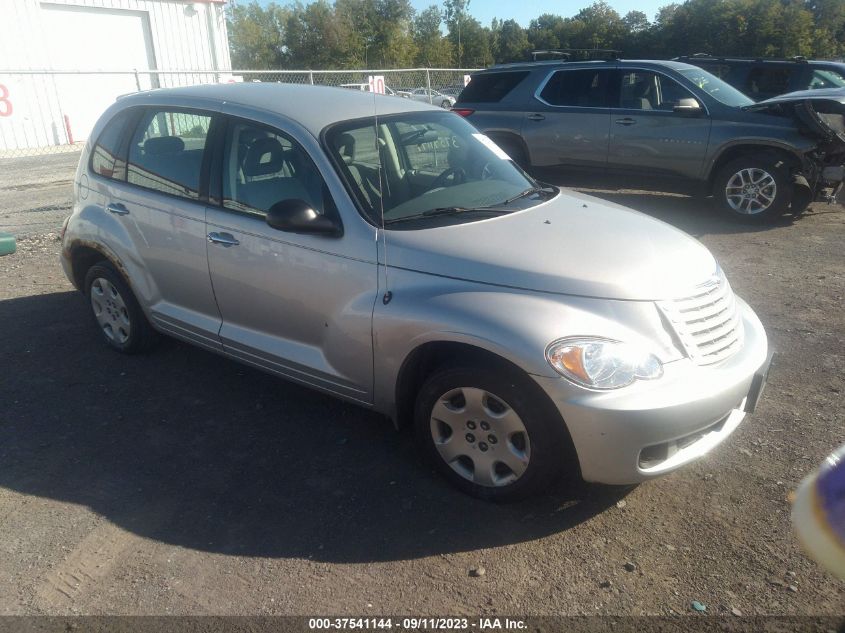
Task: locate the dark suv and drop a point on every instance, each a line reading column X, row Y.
column 763, row 79
column 669, row 125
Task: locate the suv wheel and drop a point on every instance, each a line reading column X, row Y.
column 753, row 189
column 116, row 311
column 489, row 432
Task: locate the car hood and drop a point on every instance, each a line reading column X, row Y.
column 573, row 244
column 819, row 113
column 824, row 94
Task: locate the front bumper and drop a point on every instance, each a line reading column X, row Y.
column 653, row 427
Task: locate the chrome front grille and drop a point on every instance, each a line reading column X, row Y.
column 706, row 321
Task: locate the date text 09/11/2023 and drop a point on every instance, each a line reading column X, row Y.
column 426, row 623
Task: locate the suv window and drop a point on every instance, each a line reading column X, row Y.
column 826, row 78
column 166, row 152
column 262, row 167
column 106, row 157
column 768, row 81
column 585, row 88
column 491, row 87
column 644, row 90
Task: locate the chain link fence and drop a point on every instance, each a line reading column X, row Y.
column 52, row 112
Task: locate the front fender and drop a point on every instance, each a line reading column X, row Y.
column 516, row 325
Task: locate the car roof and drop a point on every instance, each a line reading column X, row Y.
column 557, row 63
column 755, row 61
column 313, row 107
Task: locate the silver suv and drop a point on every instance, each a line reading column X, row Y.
column 386, row 252
column 666, row 125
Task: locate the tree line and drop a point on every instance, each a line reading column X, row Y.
column 391, row 34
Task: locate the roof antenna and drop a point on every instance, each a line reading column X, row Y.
column 388, row 295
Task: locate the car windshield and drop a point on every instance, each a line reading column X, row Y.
column 408, row 169
column 721, row 91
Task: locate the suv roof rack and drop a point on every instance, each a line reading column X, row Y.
column 798, row 59
column 578, row 54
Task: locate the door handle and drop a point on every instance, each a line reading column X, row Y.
column 118, row 208
column 626, row 121
column 536, row 117
column 225, row 239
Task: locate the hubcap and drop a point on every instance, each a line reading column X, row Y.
column 751, row 191
column 496, row 458
column 110, row 310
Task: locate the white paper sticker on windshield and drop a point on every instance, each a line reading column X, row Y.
column 489, row 144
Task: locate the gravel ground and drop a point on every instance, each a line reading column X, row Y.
column 183, row 483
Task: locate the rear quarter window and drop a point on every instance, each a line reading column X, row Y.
column 108, row 155
column 491, row 87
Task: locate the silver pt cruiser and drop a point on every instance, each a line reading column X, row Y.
column 386, row 252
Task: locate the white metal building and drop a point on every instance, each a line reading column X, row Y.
column 49, row 109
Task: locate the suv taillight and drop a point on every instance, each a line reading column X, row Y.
column 462, row 111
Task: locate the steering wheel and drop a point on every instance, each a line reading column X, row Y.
column 487, row 170
column 457, row 174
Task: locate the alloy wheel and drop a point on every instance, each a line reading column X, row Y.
column 751, row 191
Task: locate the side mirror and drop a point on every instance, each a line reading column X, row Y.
column 297, row 216
column 689, row 106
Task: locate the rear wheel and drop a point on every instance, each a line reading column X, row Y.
column 490, row 432
column 753, row 188
column 116, row 312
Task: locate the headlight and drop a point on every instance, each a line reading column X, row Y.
column 601, row 363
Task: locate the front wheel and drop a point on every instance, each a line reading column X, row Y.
column 753, row 189
column 490, row 432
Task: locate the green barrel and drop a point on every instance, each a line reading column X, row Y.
column 7, row 243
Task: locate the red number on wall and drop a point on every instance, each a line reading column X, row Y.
column 5, row 104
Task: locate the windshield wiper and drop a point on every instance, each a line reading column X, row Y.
column 528, row 192
column 444, row 211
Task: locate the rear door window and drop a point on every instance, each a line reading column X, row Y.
column 491, row 87
column 584, row 88
column 166, row 152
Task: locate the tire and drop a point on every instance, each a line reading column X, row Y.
column 116, row 312
column 456, row 402
column 753, row 188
